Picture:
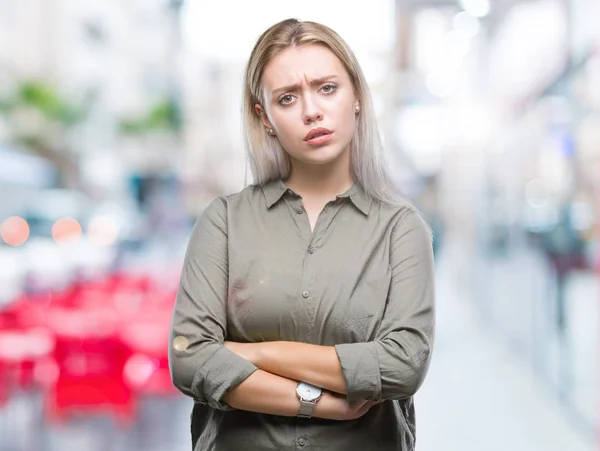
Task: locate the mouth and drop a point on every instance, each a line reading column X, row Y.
column 318, row 136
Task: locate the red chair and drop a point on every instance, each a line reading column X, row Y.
column 23, row 344
column 90, row 359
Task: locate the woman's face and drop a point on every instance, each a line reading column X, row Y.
column 309, row 102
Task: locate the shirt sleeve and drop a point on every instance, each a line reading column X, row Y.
column 200, row 365
column 395, row 364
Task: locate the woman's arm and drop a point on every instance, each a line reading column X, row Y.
column 271, row 394
column 314, row 364
column 201, row 367
column 395, row 364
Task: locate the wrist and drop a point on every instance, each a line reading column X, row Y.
column 309, row 396
column 326, row 407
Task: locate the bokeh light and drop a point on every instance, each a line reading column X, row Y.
column 102, row 231
column 14, row 231
column 66, row 230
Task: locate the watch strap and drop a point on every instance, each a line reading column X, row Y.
column 306, row 408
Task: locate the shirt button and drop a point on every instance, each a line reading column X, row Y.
column 301, row 442
column 311, row 250
column 299, row 210
column 305, row 294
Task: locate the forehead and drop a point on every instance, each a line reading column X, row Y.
column 301, row 63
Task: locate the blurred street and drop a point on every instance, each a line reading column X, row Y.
column 480, row 394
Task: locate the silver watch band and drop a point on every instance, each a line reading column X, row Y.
column 306, row 408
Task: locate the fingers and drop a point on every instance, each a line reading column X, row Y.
column 366, row 406
column 363, row 410
column 356, row 409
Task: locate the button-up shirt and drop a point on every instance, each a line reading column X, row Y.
column 361, row 281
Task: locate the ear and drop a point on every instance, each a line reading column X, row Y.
column 263, row 115
column 356, row 96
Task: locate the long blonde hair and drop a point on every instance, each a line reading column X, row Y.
column 268, row 160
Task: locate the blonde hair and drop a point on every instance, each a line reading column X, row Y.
column 268, row 160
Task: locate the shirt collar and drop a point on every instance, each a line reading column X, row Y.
column 275, row 190
column 359, row 198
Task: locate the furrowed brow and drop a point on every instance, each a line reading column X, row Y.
column 316, row 81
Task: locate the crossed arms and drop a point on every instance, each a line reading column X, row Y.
column 262, row 377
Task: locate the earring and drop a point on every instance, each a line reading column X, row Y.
column 357, row 108
column 271, row 132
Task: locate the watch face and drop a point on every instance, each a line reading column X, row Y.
column 308, row 392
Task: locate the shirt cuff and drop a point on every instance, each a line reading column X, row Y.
column 360, row 367
column 222, row 371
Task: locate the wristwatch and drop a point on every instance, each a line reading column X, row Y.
column 308, row 395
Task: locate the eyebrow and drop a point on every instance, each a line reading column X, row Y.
column 316, row 81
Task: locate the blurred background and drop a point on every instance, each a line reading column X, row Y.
column 120, row 122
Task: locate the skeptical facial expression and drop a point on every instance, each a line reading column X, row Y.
column 310, row 103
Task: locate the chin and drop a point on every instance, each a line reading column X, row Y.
column 321, row 156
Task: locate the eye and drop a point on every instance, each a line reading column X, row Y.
column 286, row 99
column 328, row 88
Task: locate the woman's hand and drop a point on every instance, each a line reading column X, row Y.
column 334, row 407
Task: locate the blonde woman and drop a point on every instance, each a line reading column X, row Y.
column 305, row 314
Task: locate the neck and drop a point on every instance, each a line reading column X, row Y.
column 320, row 181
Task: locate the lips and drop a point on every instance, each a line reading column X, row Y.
column 317, row 133
column 318, row 136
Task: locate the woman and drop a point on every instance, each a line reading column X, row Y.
column 305, row 314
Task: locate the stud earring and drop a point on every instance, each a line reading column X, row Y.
column 271, row 132
column 357, row 108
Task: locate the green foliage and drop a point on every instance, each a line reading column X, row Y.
column 162, row 116
column 44, row 98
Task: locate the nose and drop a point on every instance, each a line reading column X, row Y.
column 312, row 112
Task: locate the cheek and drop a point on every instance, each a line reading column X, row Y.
column 347, row 123
column 341, row 110
column 288, row 126
column 285, row 123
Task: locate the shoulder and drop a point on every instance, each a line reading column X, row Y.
column 247, row 194
column 213, row 223
column 404, row 217
column 219, row 206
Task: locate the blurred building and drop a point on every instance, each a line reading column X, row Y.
column 214, row 158
column 117, row 61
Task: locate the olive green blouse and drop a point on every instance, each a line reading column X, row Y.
column 362, row 281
